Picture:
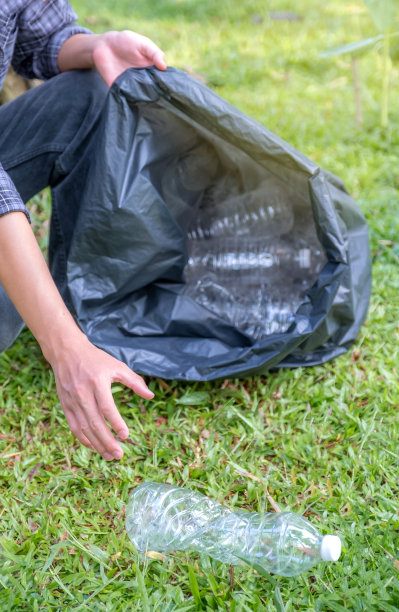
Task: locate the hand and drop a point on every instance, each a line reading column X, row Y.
column 115, row 52
column 83, row 376
column 83, row 373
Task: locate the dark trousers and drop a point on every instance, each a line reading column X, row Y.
column 47, row 138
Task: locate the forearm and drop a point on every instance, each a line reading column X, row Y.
column 77, row 52
column 27, row 280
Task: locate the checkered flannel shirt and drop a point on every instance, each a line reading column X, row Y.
column 31, row 35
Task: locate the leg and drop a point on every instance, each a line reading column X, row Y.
column 45, row 131
column 47, row 139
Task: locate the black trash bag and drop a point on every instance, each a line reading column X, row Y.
column 206, row 246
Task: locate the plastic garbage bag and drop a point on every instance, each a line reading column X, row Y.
column 206, row 246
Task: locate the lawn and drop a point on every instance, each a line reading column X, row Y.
column 321, row 441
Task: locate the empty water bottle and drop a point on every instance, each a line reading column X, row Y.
column 229, row 255
column 255, row 285
column 183, row 183
column 262, row 211
column 163, row 518
column 246, row 302
column 246, row 262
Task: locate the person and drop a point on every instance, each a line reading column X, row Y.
column 43, row 133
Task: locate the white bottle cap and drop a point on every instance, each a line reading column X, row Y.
column 330, row 548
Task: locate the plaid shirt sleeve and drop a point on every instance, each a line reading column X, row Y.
column 10, row 200
column 43, row 27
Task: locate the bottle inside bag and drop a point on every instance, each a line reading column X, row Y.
column 225, row 212
column 251, row 255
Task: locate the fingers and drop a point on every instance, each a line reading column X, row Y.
column 94, row 427
column 107, row 407
column 84, row 388
column 110, row 64
column 87, row 414
column 87, row 423
column 158, row 59
column 142, row 51
column 153, row 53
column 75, row 429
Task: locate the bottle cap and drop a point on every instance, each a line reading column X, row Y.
column 330, row 548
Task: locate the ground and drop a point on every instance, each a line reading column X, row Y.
column 322, row 441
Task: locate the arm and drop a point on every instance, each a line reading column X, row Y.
column 43, row 27
column 83, row 373
column 49, row 42
column 111, row 53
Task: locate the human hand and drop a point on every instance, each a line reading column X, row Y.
column 83, row 372
column 83, row 375
column 115, row 52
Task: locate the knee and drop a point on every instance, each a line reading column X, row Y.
column 83, row 90
column 91, row 84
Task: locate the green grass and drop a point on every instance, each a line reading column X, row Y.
column 321, row 441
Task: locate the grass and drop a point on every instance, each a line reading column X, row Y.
column 322, row 441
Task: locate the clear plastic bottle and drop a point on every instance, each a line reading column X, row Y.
column 230, row 254
column 250, row 256
column 255, row 285
column 262, row 211
column 163, row 518
column 246, row 303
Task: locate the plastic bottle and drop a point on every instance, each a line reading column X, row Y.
column 263, row 211
column 246, row 305
column 224, row 255
column 254, row 284
column 185, row 180
column 163, row 518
